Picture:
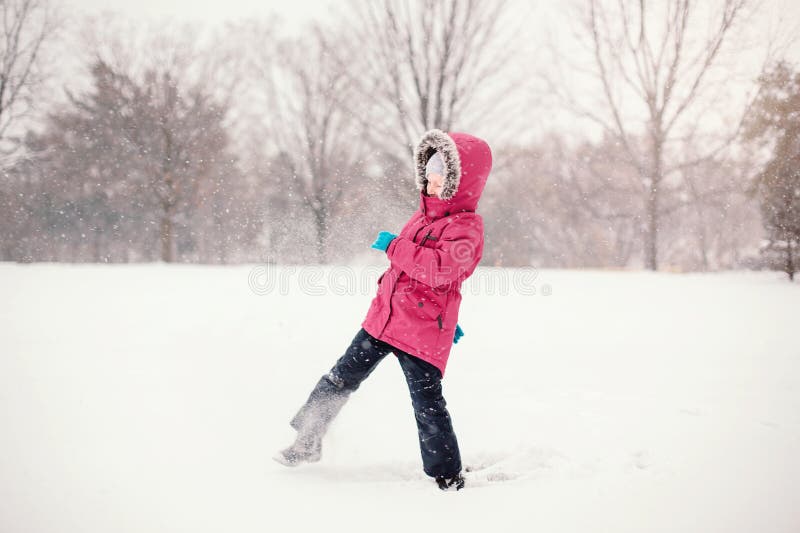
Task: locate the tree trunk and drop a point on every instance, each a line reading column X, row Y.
column 651, row 246
column 701, row 237
column 789, row 260
column 652, row 203
column 167, row 237
column 96, row 249
column 320, row 220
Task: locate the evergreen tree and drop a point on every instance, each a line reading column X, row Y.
column 776, row 122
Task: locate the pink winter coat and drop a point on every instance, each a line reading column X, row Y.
column 419, row 295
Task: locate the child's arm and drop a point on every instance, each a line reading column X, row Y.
column 454, row 257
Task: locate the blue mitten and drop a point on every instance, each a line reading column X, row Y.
column 383, row 240
column 459, row 334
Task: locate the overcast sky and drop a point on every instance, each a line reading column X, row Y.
column 295, row 12
column 298, row 12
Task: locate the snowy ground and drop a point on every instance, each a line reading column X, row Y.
column 150, row 398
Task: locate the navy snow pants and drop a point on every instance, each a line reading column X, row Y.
column 437, row 440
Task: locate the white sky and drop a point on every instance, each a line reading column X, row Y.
column 294, row 12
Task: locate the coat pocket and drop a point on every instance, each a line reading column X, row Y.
column 428, row 304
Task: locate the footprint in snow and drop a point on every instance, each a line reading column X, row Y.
column 487, row 469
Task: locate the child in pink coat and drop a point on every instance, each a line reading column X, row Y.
column 414, row 314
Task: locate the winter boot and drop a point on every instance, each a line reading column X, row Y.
column 312, row 421
column 446, row 483
column 304, row 450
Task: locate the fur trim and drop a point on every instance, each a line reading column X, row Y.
column 438, row 141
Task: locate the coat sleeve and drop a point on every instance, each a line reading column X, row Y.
column 454, row 257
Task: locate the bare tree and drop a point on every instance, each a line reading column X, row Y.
column 714, row 222
column 27, row 25
column 566, row 215
column 313, row 136
column 364, row 90
column 416, row 65
column 656, row 67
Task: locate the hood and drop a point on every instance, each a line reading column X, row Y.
column 467, row 161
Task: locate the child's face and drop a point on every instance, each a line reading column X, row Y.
column 435, row 182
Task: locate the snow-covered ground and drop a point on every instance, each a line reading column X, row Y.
column 150, row 398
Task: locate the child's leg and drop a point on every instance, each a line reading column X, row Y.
column 333, row 389
column 437, row 440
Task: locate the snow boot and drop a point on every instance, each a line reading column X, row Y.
column 304, row 450
column 456, row 482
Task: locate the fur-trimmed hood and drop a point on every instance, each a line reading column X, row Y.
column 467, row 161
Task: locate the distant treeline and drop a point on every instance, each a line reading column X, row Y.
column 242, row 144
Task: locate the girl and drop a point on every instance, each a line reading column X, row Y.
column 415, row 312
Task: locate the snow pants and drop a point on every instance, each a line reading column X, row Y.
column 437, row 440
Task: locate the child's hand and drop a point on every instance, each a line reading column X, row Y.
column 459, row 334
column 383, row 240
